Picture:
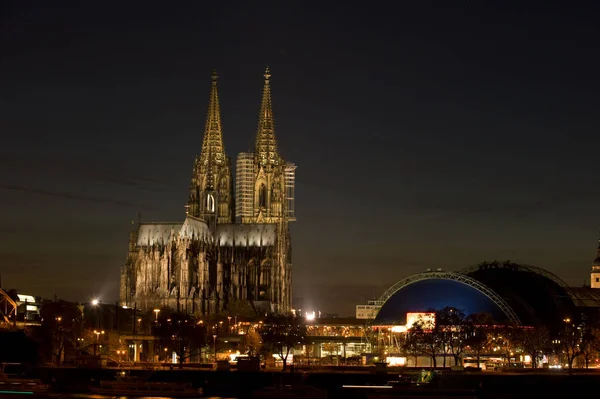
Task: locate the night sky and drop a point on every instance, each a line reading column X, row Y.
column 433, row 136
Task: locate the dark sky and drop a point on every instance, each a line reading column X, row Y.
column 428, row 134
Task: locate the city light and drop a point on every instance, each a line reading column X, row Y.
column 95, row 302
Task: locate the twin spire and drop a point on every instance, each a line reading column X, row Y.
column 213, row 149
column 266, row 145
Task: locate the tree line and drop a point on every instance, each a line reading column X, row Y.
column 455, row 334
column 192, row 339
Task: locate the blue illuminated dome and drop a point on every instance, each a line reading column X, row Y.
column 436, row 294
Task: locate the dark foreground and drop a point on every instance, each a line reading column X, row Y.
column 235, row 384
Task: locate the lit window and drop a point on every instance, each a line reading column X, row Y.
column 210, row 203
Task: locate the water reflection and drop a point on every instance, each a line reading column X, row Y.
column 93, row 396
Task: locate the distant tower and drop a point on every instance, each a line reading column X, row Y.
column 211, row 197
column 244, row 186
column 595, row 275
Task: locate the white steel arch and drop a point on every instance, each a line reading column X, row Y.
column 458, row 277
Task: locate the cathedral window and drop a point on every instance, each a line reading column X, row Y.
column 262, row 196
column 210, row 203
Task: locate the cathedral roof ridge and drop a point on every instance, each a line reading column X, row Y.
column 195, row 218
column 161, row 223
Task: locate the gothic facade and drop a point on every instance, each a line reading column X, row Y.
column 232, row 250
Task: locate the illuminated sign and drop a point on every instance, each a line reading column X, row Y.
column 427, row 320
column 26, row 298
column 367, row 311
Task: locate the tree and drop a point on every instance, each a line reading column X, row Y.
column 505, row 341
column 451, row 325
column 570, row 341
column 428, row 336
column 251, row 342
column 590, row 344
column 534, row 341
column 412, row 344
column 281, row 334
column 179, row 333
column 478, row 329
column 61, row 325
column 331, row 347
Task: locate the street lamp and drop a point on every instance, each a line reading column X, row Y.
column 98, row 333
column 229, row 323
column 156, row 312
column 215, row 345
column 95, row 303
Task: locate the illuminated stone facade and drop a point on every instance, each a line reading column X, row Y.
column 595, row 275
column 212, row 263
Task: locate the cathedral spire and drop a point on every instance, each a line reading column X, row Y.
column 597, row 260
column 212, row 143
column 210, row 170
column 266, row 144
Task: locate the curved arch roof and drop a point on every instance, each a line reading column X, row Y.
column 536, row 295
column 435, row 294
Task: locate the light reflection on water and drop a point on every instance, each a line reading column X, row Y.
column 94, row 396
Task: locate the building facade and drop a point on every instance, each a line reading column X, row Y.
column 595, row 274
column 223, row 257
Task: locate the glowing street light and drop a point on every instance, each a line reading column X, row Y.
column 95, row 303
column 98, row 333
column 156, row 312
column 215, row 345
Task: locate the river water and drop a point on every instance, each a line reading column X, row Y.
column 90, row 396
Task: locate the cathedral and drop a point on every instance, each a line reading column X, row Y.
column 232, row 251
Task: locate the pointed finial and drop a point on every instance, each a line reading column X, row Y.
column 214, row 75
column 267, row 74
